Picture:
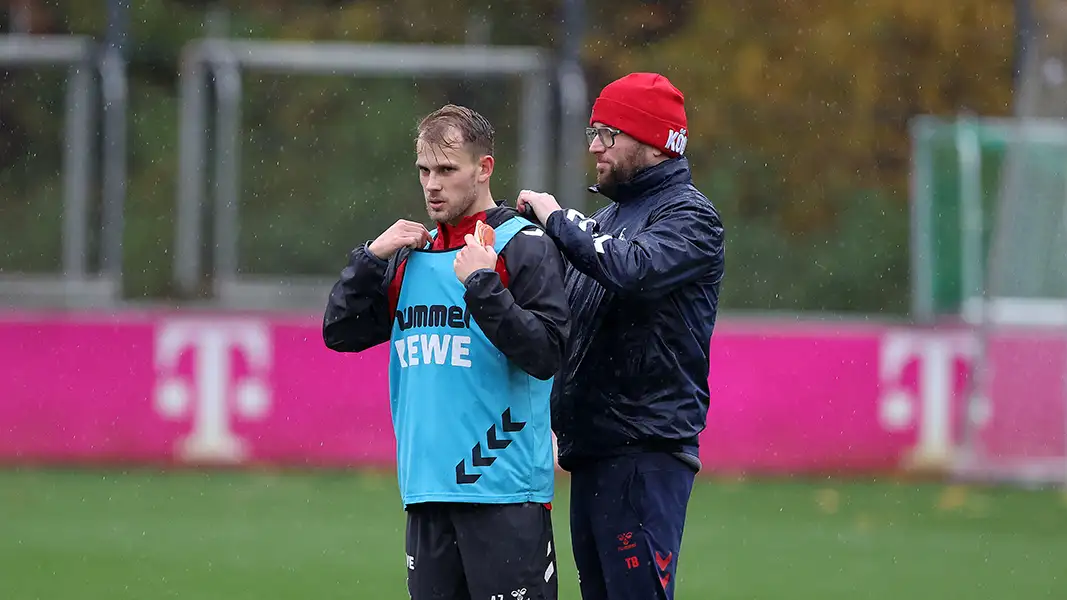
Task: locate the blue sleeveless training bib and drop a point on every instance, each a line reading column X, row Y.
column 470, row 425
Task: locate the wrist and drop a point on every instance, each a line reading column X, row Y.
column 376, row 252
column 475, row 275
column 558, row 211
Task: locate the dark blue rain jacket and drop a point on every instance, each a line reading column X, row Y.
column 642, row 282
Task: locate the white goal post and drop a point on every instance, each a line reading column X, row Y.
column 223, row 61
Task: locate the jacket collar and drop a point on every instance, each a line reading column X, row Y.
column 451, row 236
column 647, row 182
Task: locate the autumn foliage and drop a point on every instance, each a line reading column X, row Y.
column 798, row 110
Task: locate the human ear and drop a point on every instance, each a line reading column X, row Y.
column 485, row 168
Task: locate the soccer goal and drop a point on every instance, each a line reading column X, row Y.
column 519, row 84
column 1015, row 422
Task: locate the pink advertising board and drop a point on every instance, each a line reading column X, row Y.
column 159, row 387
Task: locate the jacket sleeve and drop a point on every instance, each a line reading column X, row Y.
column 529, row 320
column 680, row 244
column 357, row 313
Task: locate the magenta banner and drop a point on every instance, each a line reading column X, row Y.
column 215, row 388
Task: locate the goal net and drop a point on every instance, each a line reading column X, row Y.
column 1015, row 421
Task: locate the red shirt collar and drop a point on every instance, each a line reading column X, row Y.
column 451, row 236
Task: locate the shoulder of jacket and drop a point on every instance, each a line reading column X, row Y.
column 498, row 215
column 530, row 244
column 530, row 236
column 683, row 195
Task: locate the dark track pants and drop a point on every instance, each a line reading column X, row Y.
column 627, row 516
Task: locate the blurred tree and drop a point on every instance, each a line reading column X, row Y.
column 823, row 89
column 798, row 113
column 809, row 105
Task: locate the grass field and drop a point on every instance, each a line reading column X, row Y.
column 75, row 535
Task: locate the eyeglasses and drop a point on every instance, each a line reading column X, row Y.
column 606, row 135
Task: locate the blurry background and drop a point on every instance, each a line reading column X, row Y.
column 799, row 116
column 882, row 168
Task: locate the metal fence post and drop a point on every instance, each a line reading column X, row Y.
column 227, row 165
column 192, row 149
column 76, row 167
column 113, row 84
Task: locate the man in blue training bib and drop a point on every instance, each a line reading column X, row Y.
column 476, row 333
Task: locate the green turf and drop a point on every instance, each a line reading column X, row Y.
column 74, row 535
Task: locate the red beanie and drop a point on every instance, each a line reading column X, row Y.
column 648, row 108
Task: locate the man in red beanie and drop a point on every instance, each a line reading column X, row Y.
column 631, row 397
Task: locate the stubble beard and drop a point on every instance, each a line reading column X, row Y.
column 621, row 172
column 453, row 211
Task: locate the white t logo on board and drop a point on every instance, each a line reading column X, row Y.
column 929, row 406
column 211, row 398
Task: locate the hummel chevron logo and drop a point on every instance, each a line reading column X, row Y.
column 509, row 425
column 492, row 442
column 477, row 460
column 462, row 477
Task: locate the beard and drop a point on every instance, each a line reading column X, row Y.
column 622, row 171
column 454, row 208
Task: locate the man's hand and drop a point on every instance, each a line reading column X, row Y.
column 400, row 234
column 472, row 257
column 542, row 204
